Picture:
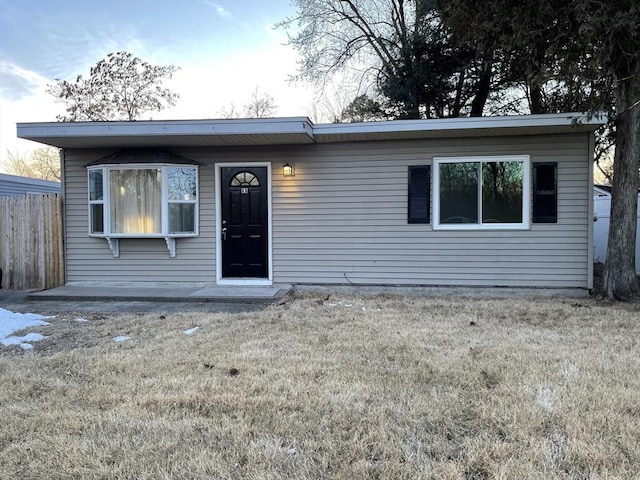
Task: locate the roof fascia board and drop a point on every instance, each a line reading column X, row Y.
column 293, row 125
column 466, row 123
column 55, row 132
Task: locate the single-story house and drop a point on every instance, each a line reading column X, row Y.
column 494, row 201
column 12, row 185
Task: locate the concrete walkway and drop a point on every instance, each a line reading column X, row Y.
column 264, row 294
column 134, row 298
column 462, row 292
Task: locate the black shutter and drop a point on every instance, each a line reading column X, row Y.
column 545, row 192
column 420, row 194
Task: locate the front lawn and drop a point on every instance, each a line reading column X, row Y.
column 330, row 387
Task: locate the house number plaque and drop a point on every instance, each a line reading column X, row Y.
column 244, row 190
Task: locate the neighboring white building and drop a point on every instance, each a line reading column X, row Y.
column 602, row 214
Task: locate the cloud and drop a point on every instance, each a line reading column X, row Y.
column 219, row 9
column 17, row 82
column 89, row 45
column 23, row 98
column 207, row 82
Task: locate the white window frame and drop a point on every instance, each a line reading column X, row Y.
column 95, row 202
column 166, row 202
column 526, row 193
column 112, row 238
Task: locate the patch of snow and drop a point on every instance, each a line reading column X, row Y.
column 121, row 338
column 570, row 369
column 347, row 305
column 545, row 398
column 11, row 322
column 23, row 341
column 80, row 320
column 190, row 331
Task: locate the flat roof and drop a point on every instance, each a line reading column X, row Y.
column 292, row 130
column 4, row 177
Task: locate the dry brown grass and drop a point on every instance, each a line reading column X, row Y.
column 344, row 387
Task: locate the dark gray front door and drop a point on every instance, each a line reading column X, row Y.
column 244, row 229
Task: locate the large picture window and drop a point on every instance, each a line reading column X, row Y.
column 135, row 201
column 143, row 201
column 481, row 193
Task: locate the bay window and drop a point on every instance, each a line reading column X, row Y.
column 131, row 201
column 481, row 193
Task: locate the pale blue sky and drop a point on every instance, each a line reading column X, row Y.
column 225, row 49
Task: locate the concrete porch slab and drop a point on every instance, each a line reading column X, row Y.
column 225, row 294
column 243, row 292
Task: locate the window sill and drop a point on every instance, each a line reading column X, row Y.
column 114, row 241
column 476, row 227
column 143, row 235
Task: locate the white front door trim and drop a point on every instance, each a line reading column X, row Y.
column 242, row 281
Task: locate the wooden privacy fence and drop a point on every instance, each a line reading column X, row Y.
column 31, row 248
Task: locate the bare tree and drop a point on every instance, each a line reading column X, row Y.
column 364, row 109
column 119, row 87
column 42, row 163
column 259, row 106
column 399, row 47
column 230, row 111
column 333, row 100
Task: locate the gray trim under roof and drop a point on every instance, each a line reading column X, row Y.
column 143, row 155
column 295, row 130
column 459, row 127
column 170, row 133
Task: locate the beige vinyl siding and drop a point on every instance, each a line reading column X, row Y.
column 90, row 259
column 343, row 219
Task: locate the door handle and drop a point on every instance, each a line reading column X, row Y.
column 224, row 233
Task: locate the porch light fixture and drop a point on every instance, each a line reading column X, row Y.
column 288, row 170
